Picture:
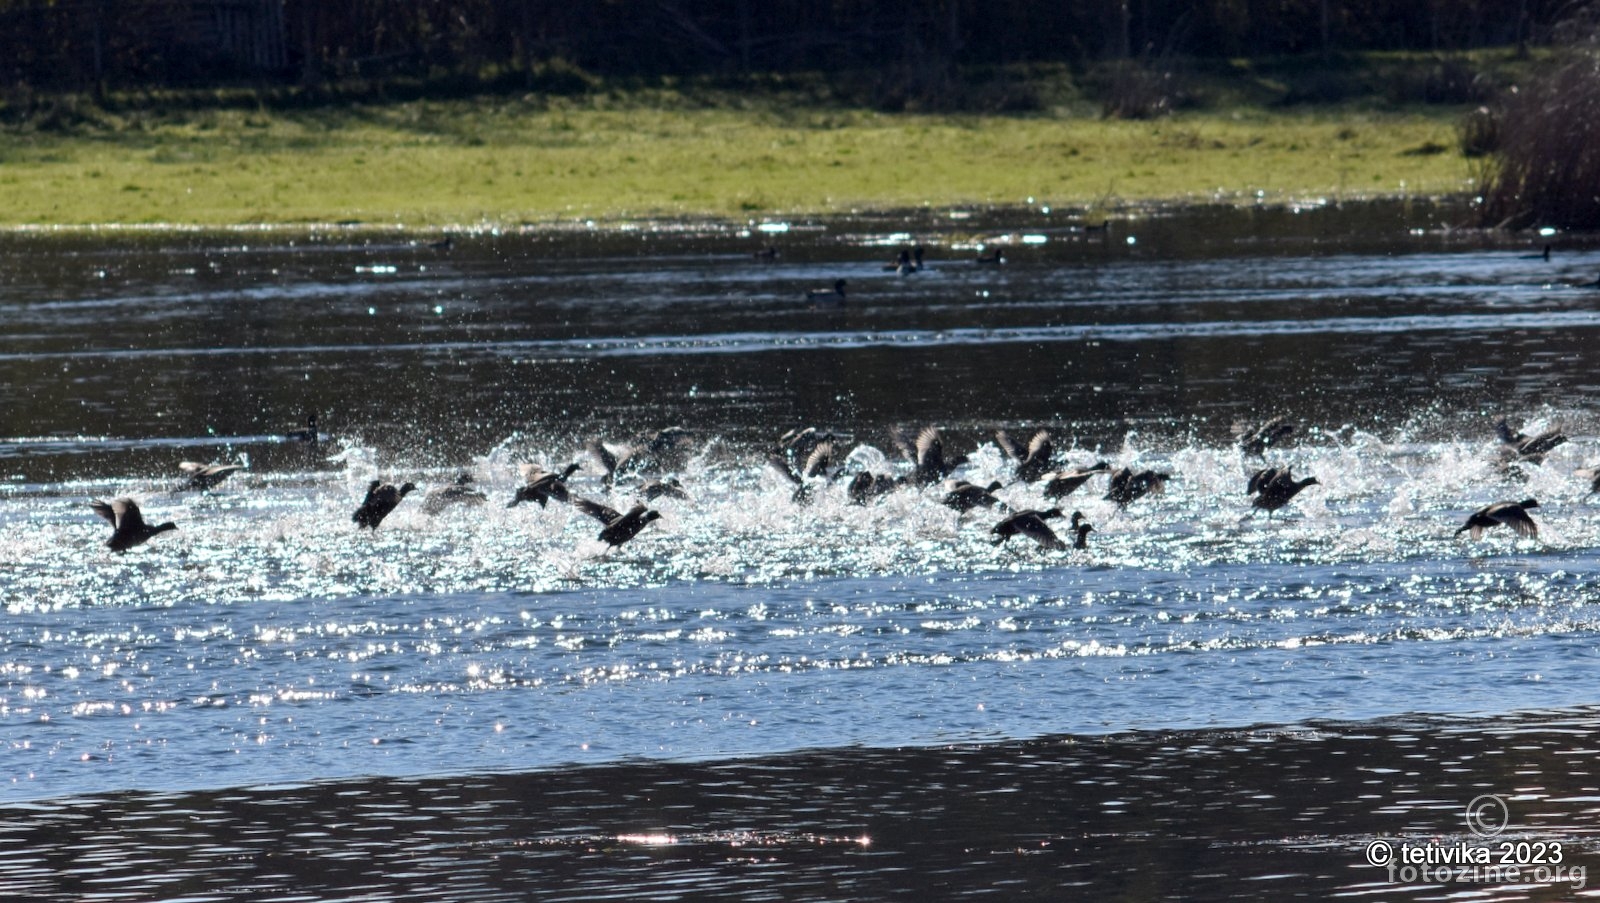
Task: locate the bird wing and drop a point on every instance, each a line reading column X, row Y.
column 127, row 514
column 1542, row 444
column 599, row 512
column 1008, row 445
column 820, row 460
column 930, row 450
column 905, row 444
column 604, row 455
column 105, row 509
column 1260, row 480
column 782, row 465
column 1039, row 447
column 1515, row 517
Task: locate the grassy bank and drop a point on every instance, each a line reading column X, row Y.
column 509, row 160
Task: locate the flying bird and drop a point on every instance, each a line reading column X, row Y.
column 381, row 499
column 1033, row 462
column 1274, row 487
column 619, row 527
column 1511, row 514
column 1128, row 487
column 205, row 477
column 540, row 485
column 1030, row 523
column 1063, row 483
column 460, row 492
column 128, row 528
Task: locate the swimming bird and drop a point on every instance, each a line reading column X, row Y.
column 381, row 499
column 1257, row 439
column 1531, row 449
column 309, row 434
column 540, row 485
column 128, row 528
column 964, row 496
column 1543, row 256
column 926, row 453
column 619, row 527
column 460, row 492
column 1128, row 487
column 1029, row 523
column 444, row 244
column 995, row 259
column 1273, row 487
column 1511, row 514
column 901, row 264
column 1032, row 462
column 206, row 476
column 767, row 254
column 1063, row 483
column 835, row 295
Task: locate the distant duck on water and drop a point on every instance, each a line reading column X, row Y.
column 128, row 528
column 995, row 259
column 827, row 296
column 308, row 435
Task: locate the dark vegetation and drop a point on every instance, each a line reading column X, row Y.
column 1540, row 143
column 888, row 53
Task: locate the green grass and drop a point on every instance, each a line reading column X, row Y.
column 534, row 160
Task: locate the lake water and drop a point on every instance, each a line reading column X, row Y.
column 760, row 699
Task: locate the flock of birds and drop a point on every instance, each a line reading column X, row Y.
column 808, row 459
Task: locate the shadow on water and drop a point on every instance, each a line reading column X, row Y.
column 1274, row 813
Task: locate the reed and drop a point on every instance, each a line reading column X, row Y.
column 1546, row 159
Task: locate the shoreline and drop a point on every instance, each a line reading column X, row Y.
column 690, row 223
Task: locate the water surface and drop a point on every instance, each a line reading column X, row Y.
column 757, row 697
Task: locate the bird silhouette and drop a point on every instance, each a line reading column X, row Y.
column 540, row 485
column 1034, row 461
column 1029, row 523
column 128, row 528
column 381, row 499
column 619, row 527
column 1510, row 514
column 1274, row 487
column 205, row 477
column 1063, row 483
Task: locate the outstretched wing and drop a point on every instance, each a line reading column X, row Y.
column 599, row 512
